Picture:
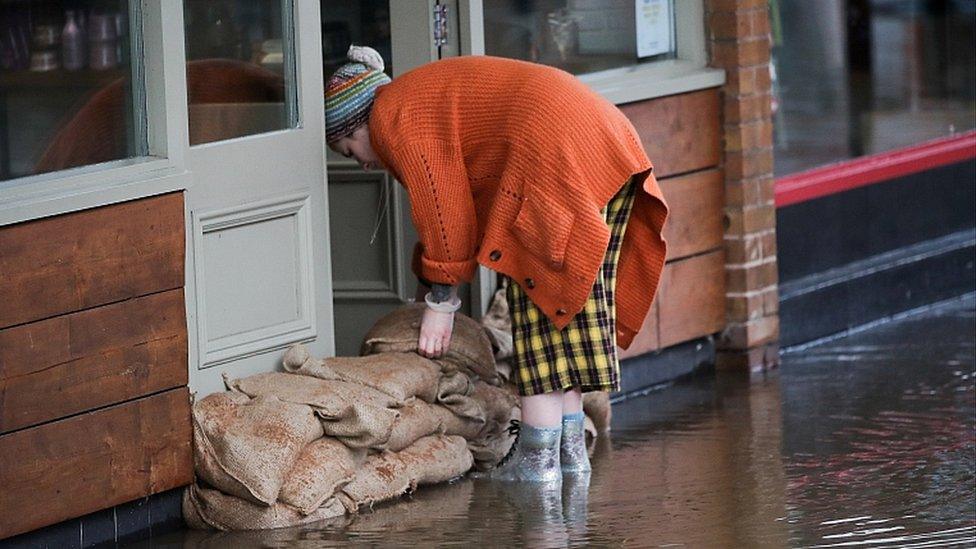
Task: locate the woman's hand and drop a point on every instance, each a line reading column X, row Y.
column 435, row 333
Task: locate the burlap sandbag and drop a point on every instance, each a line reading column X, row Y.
column 454, row 393
column 496, row 402
column 400, row 375
column 298, row 360
column 204, row 508
column 360, row 416
column 453, row 424
column 431, row 459
column 399, row 331
column 489, row 449
column 417, row 419
column 323, row 466
column 596, row 405
column 246, row 447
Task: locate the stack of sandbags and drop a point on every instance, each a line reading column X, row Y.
column 263, row 462
column 328, row 435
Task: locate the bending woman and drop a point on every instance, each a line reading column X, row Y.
column 523, row 169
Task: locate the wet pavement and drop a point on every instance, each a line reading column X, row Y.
column 865, row 441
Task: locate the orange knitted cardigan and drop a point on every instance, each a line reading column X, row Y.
column 507, row 164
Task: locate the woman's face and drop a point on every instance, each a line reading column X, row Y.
column 356, row 145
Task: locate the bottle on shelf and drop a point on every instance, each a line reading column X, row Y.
column 102, row 38
column 72, row 43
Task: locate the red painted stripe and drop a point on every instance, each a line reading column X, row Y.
column 866, row 170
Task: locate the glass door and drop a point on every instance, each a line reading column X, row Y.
column 258, row 253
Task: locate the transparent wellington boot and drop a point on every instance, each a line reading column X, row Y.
column 534, row 455
column 572, row 450
column 576, row 495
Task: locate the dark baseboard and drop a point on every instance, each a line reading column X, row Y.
column 127, row 523
column 651, row 370
column 865, row 290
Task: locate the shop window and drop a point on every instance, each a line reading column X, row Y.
column 581, row 36
column 67, row 98
column 859, row 77
column 240, row 68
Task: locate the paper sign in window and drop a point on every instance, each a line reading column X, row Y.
column 654, row 30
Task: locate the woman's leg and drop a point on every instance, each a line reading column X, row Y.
column 572, row 401
column 543, row 410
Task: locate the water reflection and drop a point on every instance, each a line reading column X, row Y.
column 866, row 441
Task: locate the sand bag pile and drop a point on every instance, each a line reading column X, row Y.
column 329, row 435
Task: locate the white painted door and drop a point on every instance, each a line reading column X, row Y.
column 257, row 227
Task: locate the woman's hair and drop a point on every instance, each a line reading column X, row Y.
column 350, row 90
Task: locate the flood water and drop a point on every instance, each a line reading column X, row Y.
column 864, row 441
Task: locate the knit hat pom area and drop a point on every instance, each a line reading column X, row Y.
column 350, row 90
column 367, row 56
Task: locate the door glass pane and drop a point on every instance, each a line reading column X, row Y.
column 581, row 36
column 240, row 70
column 66, row 94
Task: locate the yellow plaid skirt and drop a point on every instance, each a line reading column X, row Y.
column 584, row 353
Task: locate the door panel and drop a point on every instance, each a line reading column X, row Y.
column 258, row 214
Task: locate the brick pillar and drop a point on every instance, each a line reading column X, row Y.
column 739, row 42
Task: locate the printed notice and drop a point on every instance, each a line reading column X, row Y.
column 653, row 27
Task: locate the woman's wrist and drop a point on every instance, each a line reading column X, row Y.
column 443, row 299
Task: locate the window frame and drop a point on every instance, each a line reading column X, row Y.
column 163, row 170
column 689, row 71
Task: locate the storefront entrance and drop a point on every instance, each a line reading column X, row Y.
column 372, row 236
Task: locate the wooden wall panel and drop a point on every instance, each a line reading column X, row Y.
column 691, row 302
column 696, row 204
column 85, row 259
column 680, row 133
column 68, row 364
column 67, row 468
column 646, row 339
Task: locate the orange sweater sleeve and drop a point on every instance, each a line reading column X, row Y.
column 442, row 210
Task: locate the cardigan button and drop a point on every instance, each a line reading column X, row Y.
column 495, row 255
column 560, row 312
column 529, row 283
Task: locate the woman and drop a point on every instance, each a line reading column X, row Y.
column 523, row 169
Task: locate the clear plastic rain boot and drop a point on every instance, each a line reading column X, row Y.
column 534, row 455
column 572, row 451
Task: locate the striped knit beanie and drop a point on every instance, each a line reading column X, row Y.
column 350, row 91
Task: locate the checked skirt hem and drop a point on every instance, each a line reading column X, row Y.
column 584, row 354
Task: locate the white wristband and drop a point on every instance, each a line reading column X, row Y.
column 444, row 306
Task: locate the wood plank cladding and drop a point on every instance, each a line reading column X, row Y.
column 68, row 364
column 85, row 259
column 682, row 136
column 646, row 339
column 696, row 204
column 679, row 132
column 691, row 302
column 67, row 468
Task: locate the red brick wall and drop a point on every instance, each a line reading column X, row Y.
column 739, row 42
